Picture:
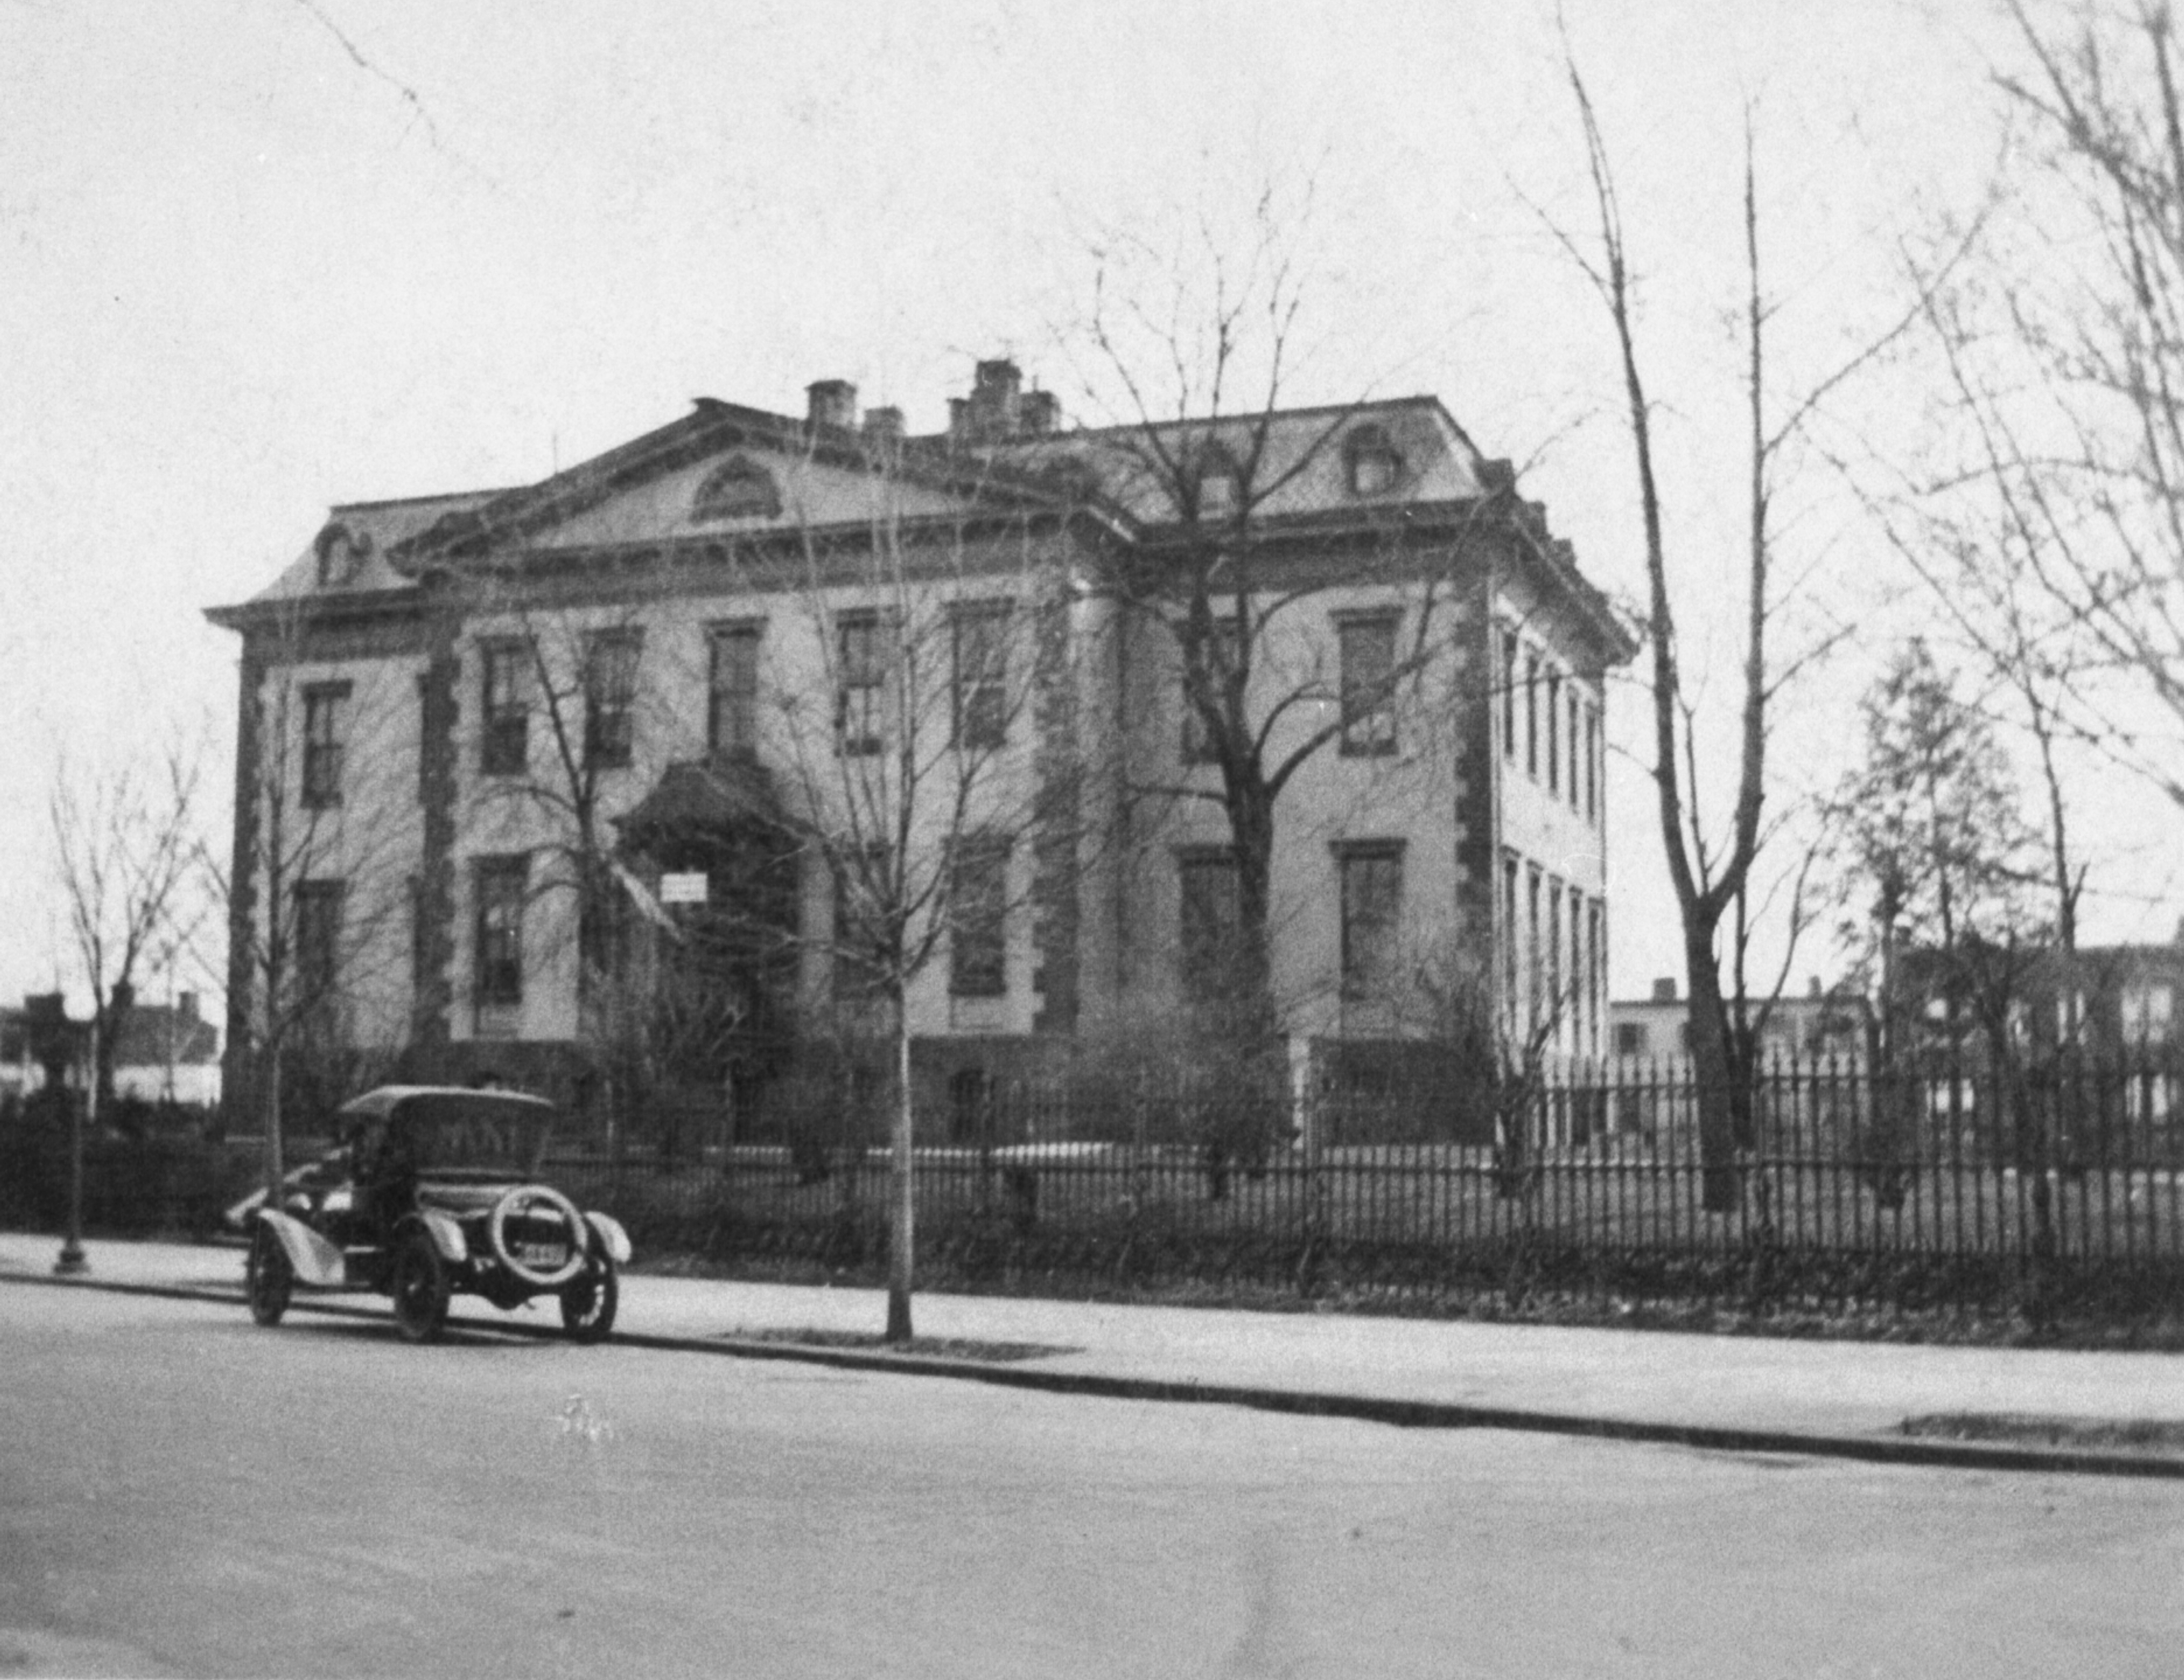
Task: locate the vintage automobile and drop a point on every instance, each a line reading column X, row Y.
column 434, row 1192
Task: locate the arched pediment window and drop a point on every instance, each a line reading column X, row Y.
column 1374, row 467
column 738, row 488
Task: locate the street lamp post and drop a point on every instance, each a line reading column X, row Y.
column 72, row 1259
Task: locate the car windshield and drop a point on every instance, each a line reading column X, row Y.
column 464, row 1132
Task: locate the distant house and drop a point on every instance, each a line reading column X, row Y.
column 2105, row 999
column 38, row 1042
column 1820, row 1023
column 168, row 1053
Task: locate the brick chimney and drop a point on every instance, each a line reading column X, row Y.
column 1664, row 990
column 1039, row 414
column 830, row 402
column 993, row 410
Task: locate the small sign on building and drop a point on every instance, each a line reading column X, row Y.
column 683, row 889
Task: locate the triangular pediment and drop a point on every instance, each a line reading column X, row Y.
column 721, row 471
column 749, row 489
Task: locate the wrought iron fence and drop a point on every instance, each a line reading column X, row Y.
column 1927, row 1181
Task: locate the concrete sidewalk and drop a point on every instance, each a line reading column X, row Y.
column 1843, row 1398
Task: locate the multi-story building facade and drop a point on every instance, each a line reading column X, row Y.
column 660, row 745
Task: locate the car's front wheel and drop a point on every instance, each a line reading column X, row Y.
column 269, row 1279
column 422, row 1289
column 588, row 1303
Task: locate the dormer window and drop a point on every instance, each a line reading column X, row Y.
column 340, row 553
column 1218, row 482
column 1375, row 465
column 739, row 488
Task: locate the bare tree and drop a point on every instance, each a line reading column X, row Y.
column 916, row 721
column 1710, row 871
column 126, row 845
column 2067, row 381
column 1202, row 349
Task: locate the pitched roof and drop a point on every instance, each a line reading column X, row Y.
column 158, row 1036
column 694, row 795
column 647, row 490
column 1301, row 466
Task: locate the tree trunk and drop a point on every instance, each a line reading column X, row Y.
column 902, row 1244
column 1721, row 1183
column 1251, row 829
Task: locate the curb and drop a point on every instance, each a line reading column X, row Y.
column 1883, row 1449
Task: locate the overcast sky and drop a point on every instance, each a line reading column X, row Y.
column 259, row 256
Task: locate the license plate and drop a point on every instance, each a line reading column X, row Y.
column 541, row 1253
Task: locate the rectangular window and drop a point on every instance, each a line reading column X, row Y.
column 504, row 743
column 318, row 945
column 1509, row 943
column 981, row 635
column 731, row 689
column 609, row 698
column 1557, row 1001
column 1629, row 1038
column 1554, row 731
column 1592, row 764
column 1532, row 714
column 1580, row 992
column 325, row 706
column 978, row 919
column 1509, row 695
column 421, row 966
column 1596, row 946
column 864, row 889
column 1576, row 745
column 503, row 885
column 1367, row 650
column 1220, row 650
column 1372, row 874
column 1209, row 922
column 2146, row 1014
column 2148, row 1099
column 1533, row 967
column 860, row 682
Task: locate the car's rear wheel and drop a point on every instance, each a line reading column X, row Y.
column 269, row 1281
column 588, row 1303
column 422, row 1289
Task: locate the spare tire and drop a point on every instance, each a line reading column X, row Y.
column 521, row 1200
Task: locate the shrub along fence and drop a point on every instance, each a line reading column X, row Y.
column 162, row 1171
column 2053, row 1188
column 2056, row 1189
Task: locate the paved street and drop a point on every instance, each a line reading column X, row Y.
column 183, row 1493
